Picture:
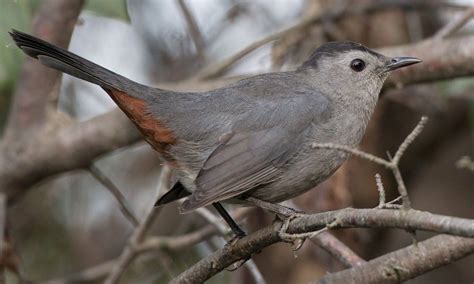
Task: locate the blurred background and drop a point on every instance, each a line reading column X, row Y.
column 71, row 222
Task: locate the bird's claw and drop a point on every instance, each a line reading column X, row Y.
column 230, row 243
column 235, row 239
column 237, row 264
column 296, row 240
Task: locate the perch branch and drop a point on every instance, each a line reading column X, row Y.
column 408, row 219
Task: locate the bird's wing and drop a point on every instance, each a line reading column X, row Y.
column 246, row 159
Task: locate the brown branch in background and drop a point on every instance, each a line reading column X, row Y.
column 452, row 58
column 244, row 248
column 124, row 206
column 69, row 148
column 455, row 24
column 53, row 22
column 337, row 249
column 406, row 263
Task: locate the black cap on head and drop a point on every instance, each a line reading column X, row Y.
column 334, row 48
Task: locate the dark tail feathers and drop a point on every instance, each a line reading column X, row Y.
column 67, row 62
column 177, row 192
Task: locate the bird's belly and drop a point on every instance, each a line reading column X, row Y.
column 302, row 175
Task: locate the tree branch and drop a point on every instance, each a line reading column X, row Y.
column 337, row 249
column 55, row 151
column 451, row 58
column 406, row 263
column 345, row 218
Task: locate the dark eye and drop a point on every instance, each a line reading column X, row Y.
column 357, row 65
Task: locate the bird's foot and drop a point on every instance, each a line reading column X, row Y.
column 237, row 236
column 285, row 213
column 237, row 264
column 296, row 240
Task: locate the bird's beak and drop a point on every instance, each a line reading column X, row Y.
column 399, row 62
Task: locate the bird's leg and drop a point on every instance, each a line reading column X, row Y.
column 281, row 211
column 238, row 232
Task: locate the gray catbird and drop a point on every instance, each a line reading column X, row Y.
column 250, row 141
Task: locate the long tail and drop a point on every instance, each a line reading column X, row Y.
column 133, row 98
column 67, row 62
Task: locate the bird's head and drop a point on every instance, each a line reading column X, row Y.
column 350, row 67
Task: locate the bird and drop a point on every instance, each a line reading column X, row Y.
column 249, row 142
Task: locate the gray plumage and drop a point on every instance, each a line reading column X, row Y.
column 253, row 137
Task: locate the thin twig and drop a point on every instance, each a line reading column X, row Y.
column 255, row 272
column 455, row 25
column 125, row 208
column 355, row 152
column 409, row 139
column 392, row 164
column 193, row 29
column 380, row 189
column 130, row 252
column 402, row 190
